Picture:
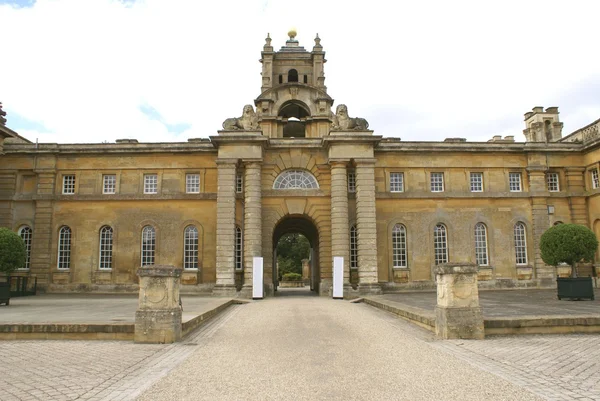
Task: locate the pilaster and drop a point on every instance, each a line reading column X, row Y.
column 366, row 226
column 340, row 230
column 539, row 212
column 225, row 266
column 41, row 243
column 252, row 221
column 577, row 201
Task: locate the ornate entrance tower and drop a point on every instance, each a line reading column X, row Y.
column 294, row 156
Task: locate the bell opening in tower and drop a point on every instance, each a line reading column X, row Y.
column 294, row 114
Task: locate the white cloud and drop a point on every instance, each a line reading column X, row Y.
column 418, row 70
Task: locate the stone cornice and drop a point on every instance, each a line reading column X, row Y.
column 109, row 148
column 394, row 144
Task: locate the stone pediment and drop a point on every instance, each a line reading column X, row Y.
column 316, row 100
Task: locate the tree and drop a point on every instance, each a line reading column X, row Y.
column 568, row 243
column 12, row 251
column 291, row 249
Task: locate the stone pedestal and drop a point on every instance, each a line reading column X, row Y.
column 305, row 271
column 458, row 314
column 158, row 317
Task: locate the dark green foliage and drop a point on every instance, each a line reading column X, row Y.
column 291, row 249
column 291, row 277
column 568, row 243
column 12, row 251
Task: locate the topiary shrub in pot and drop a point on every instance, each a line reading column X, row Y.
column 12, row 256
column 571, row 244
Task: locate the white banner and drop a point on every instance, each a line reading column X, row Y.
column 338, row 277
column 257, row 278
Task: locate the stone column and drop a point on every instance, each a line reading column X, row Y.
column 366, row 225
column 458, row 314
column 225, row 285
column 158, row 317
column 306, row 271
column 252, row 222
column 42, row 265
column 340, row 228
column 539, row 210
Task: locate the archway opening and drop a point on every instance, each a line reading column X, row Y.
column 295, row 256
column 294, row 114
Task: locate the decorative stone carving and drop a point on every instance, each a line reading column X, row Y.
column 247, row 122
column 341, row 120
column 2, row 114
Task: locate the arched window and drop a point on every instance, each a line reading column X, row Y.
column 440, row 244
column 190, row 248
column 292, row 75
column 148, row 245
column 353, row 247
column 64, row 248
column 106, row 246
column 26, row 233
column 238, row 248
column 295, row 179
column 399, row 246
column 520, row 244
column 557, row 223
column 481, row 246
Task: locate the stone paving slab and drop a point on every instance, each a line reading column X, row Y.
column 87, row 309
column 509, row 303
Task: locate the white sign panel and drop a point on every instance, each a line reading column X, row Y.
column 338, row 277
column 257, row 278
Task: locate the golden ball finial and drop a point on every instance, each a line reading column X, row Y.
column 292, row 33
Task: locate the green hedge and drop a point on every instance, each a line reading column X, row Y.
column 291, row 277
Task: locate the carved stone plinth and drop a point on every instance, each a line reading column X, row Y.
column 458, row 314
column 158, row 317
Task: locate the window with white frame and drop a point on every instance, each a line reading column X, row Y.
column 552, row 181
column 106, row 248
column 351, row 181
column 150, row 183
column 440, row 244
column 26, row 234
column 437, row 182
column 399, row 246
column 396, row 182
column 353, row 247
column 295, row 179
column 192, row 183
column 109, row 184
column 64, row 248
column 481, row 245
column 148, row 245
column 520, row 244
column 476, row 182
column 190, row 248
column 68, row 185
column 238, row 248
column 239, row 183
column 514, row 182
column 595, row 182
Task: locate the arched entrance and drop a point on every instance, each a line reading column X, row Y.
column 302, row 225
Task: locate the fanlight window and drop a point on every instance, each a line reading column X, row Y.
column 295, row 179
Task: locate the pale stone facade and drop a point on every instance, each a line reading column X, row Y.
column 94, row 213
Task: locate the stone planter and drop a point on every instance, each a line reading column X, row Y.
column 5, row 293
column 291, row 284
column 575, row 288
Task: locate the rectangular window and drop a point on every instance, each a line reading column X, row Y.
column 476, row 182
column 396, row 182
column 514, row 182
column 192, row 183
column 552, row 179
column 68, row 184
column 595, row 182
column 353, row 248
column 150, row 183
column 109, row 184
column 238, row 249
column 351, row 181
column 239, row 183
column 437, row 182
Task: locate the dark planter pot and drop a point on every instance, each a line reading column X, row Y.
column 4, row 293
column 575, row 288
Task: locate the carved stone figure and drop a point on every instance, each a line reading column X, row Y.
column 2, row 114
column 248, row 121
column 341, row 120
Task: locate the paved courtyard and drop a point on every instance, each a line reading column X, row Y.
column 299, row 347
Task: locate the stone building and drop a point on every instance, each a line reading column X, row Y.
column 91, row 214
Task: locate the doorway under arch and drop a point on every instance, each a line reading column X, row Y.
column 302, row 225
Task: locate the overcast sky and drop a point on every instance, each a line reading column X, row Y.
column 163, row 71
